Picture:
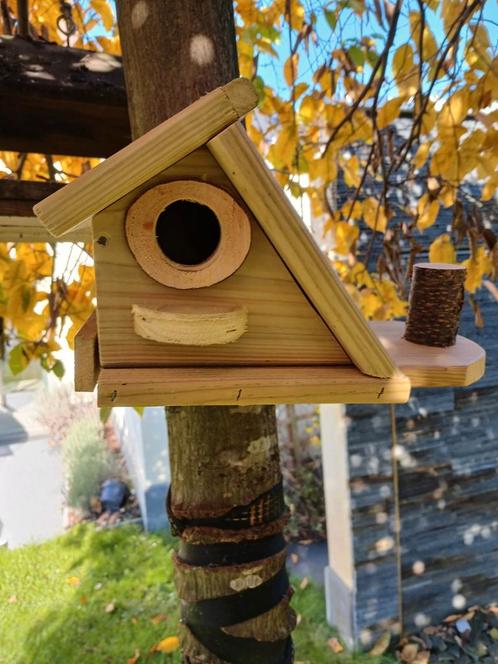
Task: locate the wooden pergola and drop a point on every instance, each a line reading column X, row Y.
column 58, row 101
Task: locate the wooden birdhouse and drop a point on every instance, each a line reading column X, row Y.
column 210, row 289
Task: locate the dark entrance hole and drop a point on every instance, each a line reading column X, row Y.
column 187, row 232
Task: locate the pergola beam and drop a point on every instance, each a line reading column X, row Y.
column 62, row 101
column 17, row 221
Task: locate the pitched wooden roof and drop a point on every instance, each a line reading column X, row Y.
column 285, row 229
column 146, row 157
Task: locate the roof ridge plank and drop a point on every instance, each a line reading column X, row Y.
column 147, row 156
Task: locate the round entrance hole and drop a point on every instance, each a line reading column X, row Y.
column 188, row 233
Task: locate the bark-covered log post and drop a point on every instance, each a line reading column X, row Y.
column 436, row 300
column 226, row 498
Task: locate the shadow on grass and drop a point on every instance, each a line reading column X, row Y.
column 103, row 597
column 116, row 598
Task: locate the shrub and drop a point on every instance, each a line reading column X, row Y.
column 59, row 408
column 299, row 440
column 87, row 461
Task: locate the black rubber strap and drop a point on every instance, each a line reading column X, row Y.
column 244, row 651
column 266, row 508
column 232, row 609
column 230, row 553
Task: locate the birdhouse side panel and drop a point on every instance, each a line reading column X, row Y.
column 281, row 326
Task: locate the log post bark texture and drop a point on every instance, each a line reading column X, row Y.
column 226, row 499
column 436, row 300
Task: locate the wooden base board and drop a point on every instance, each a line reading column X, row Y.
column 244, row 386
column 426, row 366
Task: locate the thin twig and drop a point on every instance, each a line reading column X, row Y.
column 381, row 62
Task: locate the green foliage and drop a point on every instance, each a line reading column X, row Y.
column 87, row 461
column 304, row 497
column 55, row 599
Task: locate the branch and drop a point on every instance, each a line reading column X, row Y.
column 381, row 62
column 6, row 17
column 417, row 124
column 23, row 18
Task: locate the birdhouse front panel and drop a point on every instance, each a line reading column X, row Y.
column 187, row 277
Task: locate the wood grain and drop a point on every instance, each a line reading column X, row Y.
column 261, row 192
column 242, row 386
column 141, row 231
column 283, row 326
column 428, row 366
column 86, row 356
column 146, row 157
column 30, row 229
column 186, row 327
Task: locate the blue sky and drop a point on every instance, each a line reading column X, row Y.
column 349, row 29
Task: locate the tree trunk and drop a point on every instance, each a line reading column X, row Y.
column 226, row 498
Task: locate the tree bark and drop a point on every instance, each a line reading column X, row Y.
column 226, row 498
column 174, row 52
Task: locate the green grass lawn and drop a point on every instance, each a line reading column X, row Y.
column 101, row 597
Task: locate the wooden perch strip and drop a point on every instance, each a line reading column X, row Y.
column 146, row 157
column 58, row 100
column 188, row 328
column 436, row 300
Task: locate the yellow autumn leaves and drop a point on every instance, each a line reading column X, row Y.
column 309, row 80
column 90, row 18
column 376, row 296
column 455, row 129
column 35, row 304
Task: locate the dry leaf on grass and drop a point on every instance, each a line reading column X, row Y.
column 335, row 645
column 409, row 653
column 167, row 645
column 110, row 608
column 304, row 583
column 134, row 659
column 73, row 581
column 161, row 617
column 381, row 645
column 12, row 599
